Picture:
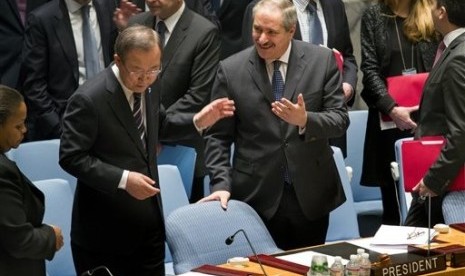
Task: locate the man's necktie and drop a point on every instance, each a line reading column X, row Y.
column 316, row 31
column 277, row 85
column 277, row 82
column 161, row 30
column 137, row 113
column 91, row 59
column 439, row 51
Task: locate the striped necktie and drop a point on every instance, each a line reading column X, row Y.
column 137, row 113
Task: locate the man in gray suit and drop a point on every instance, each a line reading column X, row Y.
column 283, row 165
column 442, row 112
column 190, row 57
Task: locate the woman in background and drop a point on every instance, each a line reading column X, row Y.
column 25, row 242
column 397, row 38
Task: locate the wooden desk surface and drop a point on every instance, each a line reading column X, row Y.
column 453, row 237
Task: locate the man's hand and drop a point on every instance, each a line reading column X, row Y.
column 422, row 190
column 140, row 186
column 123, row 13
column 348, row 91
column 213, row 112
column 58, row 237
column 294, row 114
column 222, row 196
column 401, row 116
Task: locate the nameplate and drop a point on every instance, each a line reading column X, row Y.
column 416, row 266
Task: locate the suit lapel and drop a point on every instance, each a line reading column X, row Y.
column 120, row 106
column 64, row 34
column 330, row 21
column 105, row 27
column 257, row 69
column 295, row 68
column 179, row 34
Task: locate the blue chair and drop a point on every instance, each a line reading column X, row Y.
column 196, row 234
column 173, row 196
column 396, row 169
column 58, row 208
column 343, row 224
column 184, row 158
column 367, row 200
column 39, row 160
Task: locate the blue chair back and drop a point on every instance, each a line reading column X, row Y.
column 196, row 234
column 343, row 222
column 172, row 193
column 39, row 160
column 58, row 209
column 184, row 158
column 400, row 183
column 367, row 200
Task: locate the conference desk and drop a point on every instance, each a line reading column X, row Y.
column 344, row 249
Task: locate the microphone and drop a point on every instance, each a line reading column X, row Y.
column 91, row 272
column 230, row 240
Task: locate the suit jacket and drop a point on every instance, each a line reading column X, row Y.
column 442, row 112
column 51, row 63
column 100, row 140
column 25, row 242
column 230, row 16
column 189, row 61
column 263, row 143
column 11, row 36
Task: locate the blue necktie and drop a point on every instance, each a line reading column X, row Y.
column 91, row 59
column 316, row 31
column 161, row 30
column 277, row 82
column 137, row 113
column 277, row 85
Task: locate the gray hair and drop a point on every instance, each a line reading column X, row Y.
column 136, row 37
column 285, row 6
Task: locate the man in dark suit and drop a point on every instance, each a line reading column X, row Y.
column 442, row 112
column 285, row 113
column 12, row 22
column 110, row 132
column 336, row 35
column 189, row 63
column 230, row 14
column 54, row 57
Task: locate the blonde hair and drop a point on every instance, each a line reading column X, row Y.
column 419, row 23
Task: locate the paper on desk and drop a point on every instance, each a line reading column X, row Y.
column 386, row 249
column 305, row 258
column 401, row 235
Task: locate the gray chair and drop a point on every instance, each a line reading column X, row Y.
column 343, row 223
column 367, row 200
column 39, row 160
column 196, row 234
column 173, row 196
column 58, row 208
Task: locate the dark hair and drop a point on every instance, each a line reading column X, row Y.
column 455, row 11
column 136, row 37
column 10, row 99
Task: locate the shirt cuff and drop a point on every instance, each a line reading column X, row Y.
column 124, row 180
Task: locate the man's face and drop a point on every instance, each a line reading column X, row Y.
column 270, row 37
column 137, row 70
column 437, row 12
column 163, row 8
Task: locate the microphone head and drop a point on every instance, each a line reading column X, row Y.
column 229, row 240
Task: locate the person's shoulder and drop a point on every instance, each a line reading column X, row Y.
column 47, row 10
column 239, row 57
column 197, row 21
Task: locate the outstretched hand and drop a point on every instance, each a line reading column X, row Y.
column 401, row 116
column 122, row 14
column 294, row 114
column 213, row 112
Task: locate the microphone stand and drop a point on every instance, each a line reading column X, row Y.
column 230, row 240
column 429, row 225
column 91, row 272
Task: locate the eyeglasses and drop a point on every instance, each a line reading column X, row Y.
column 140, row 74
